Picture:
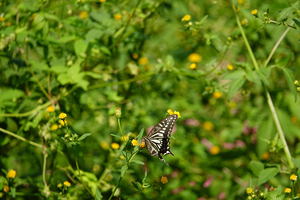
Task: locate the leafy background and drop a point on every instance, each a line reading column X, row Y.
column 85, row 58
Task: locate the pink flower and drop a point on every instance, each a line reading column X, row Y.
column 192, row 122
column 176, row 191
column 192, row 183
column 222, row 195
column 240, row 143
column 174, row 174
column 206, row 143
column 228, row 145
column 208, row 182
column 201, row 198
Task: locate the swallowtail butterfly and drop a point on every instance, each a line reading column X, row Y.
column 158, row 139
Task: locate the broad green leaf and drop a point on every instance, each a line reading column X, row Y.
column 80, row 47
column 284, row 14
column 105, row 50
column 13, row 191
column 65, row 39
column 234, row 75
column 266, row 175
column 93, row 34
column 10, row 94
column 84, row 136
column 123, row 170
column 93, row 74
column 140, row 135
column 262, row 77
column 136, row 186
column 58, row 69
column 256, row 167
column 51, row 17
column 83, row 84
column 39, row 65
column 98, row 194
column 265, row 131
column 290, row 81
column 253, row 77
column 235, row 85
column 283, row 61
column 137, row 162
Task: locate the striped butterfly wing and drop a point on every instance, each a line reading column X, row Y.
column 158, row 140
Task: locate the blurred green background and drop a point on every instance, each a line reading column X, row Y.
column 86, row 58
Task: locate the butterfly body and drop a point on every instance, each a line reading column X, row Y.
column 158, row 139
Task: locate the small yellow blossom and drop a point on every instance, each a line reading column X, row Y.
column 241, row 2
column 244, row 22
column 102, row 1
column 6, row 188
column 11, row 174
column 142, row 145
column 214, row 150
column 135, row 56
column 186, row 18
column 193, row 66
column 50, row 109
column 54, row 127
column 59, row 185
column 164, row 180
column 134, row 143
column 230, row 67
column 118, row 112
column 265, row 155
column 294, row 119
column 254, row 12
column 143, row 61
column 170, row 112
column 0, row 4
column 8, row 23
column 67, row 183
column 287, row 190
column 217, row 95
column 249, row 190
column 124, row 138
column 104, row 145
column 67, row 135
column 2, row 19
column 208, row 125
column 62, row 116
column 83, row 14
column 177, row 113
column 194, row 58
column 62, row 122
column 117, row 16
column 296, row 82
column 115, row 146
column 122, row 157
column 293, row 177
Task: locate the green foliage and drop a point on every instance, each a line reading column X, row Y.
column 229, row 69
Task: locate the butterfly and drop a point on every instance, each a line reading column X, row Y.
column 158, row 139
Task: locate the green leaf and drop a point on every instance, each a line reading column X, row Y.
column 262, row 76
column 13, row 191
column 266, row 175
column 98, row 194
column 84, row 136
column 117, row 136
column 284, row 14
column 253, row 77
column 140, row 135
column 235, row 85
column 83, row 84
column 137, row 162
column 234, row 75
column 297, row 22
column 65, row 39
column 93, row 34
column 256, row 167
column 10, row 94
column 51, row 17
column 58, row 69
column 283, row 61
column 135, row 186
column 80, row 47
column 123, row 170
column 290, row 81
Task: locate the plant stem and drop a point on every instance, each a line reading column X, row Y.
column 119, row 123
column 21, row 138
column 80, row 174
column 112, row 194
column 44, row 168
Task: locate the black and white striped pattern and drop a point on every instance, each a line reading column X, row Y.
column 158, row 140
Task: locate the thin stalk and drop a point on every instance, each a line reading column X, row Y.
column 80, row 173
column 21, row 138
column 119, row 123
column 112, row 194
column 44, row 169
column 269, row 99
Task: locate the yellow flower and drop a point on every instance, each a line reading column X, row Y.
column 293, row 177
column 249, row 190
column 254, row 12
column 244, row 22
column 62, row 116
column 217, row 95
column 122, row 157
column 0, row 4
column 83, row 14
column 67, row 183
column 104, row 145
column 124, row 138
column 194, row 58
column 193, row 66
column 265, row 155
column 102, row 1
column 287, row 190
column 142, row 145
column 8, row 23
column 296, row 82
column 208, row 125
column 186, row 18
column 230, row 67
column 135, row 56
column 62, row 122
column 6, row 188
column 164, row 180
column 241, row 2
column 59, row 185
column 143, row 61
column 177, row 113
column 214, row 150
column 170, row 112
column 54, row 127
column 115, row 146
column 135, row 143
column 11, row 174
column 67, row 135
column 50, row 109
column 118, row 112
column 117, row 16
column 2, row 19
